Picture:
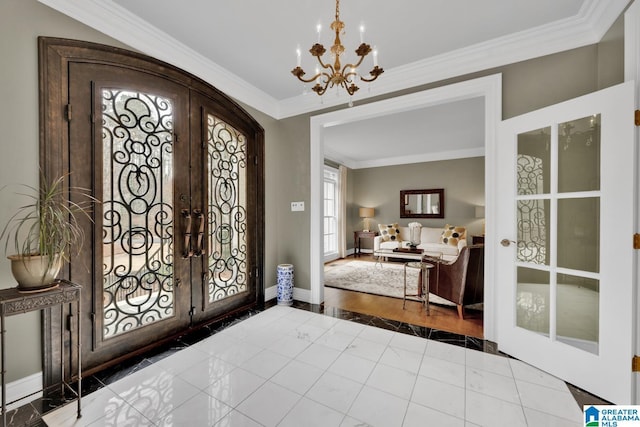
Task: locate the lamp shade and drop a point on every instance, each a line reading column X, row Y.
column 366, row 212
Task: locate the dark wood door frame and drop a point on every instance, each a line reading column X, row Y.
column 55, row 57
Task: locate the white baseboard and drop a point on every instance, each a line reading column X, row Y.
column 271, row 293
column 303, row 295
column 30, row 386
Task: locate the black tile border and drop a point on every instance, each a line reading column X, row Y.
column 472, row 343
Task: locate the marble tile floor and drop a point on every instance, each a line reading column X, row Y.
column 288, row 366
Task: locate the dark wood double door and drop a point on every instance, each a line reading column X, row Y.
column 177, row 236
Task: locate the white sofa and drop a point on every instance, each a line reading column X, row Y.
column 430, row 243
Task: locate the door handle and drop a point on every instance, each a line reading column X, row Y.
column 506, row 242
column 199, row 241
column 186, row 250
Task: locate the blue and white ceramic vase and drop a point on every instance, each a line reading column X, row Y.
column 285, row 284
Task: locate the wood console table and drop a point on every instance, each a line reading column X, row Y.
column 13, row 302
column 357, row 235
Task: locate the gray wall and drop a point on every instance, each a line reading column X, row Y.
column 526, row 86
column 291, row 184
column 379, row 188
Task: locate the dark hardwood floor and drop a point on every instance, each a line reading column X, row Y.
column 442, row 317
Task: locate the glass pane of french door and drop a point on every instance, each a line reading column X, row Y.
column 558, row 224
column 227, row 210
column 138, row 223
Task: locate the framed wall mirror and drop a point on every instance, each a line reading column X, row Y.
column 422, row 203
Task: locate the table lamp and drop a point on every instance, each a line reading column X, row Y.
column 366, row 213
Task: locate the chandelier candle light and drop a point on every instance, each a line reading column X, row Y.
column 336, row 75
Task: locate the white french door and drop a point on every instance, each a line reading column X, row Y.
column 565, row 198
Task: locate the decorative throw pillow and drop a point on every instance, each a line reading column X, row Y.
column 389, row 232
column 452, row 234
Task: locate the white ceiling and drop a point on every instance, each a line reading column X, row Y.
column 247, row 49
column 256, row 39
column 450, row 130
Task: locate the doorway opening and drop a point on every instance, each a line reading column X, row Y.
column 490, row 88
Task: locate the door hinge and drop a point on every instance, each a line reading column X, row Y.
column 636, row 241
column 67, row 112
column 192, row 312
column 255, row 160
column 635, row 364
column 637, row 114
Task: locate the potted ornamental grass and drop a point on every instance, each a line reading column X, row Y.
column 45, row 232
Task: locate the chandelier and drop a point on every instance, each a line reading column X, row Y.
column 336, row 74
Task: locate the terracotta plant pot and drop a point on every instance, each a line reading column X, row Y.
column 34, row 272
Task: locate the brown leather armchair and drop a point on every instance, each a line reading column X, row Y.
column 461, row 281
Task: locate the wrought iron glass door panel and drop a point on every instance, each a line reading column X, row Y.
column 137, row 211
column 227, row 219
column 228, row 236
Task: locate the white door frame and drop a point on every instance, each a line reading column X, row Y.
column 490, row 88
column 632, row 72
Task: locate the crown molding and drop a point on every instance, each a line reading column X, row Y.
column 405, row 160
column 586, row 27
column 117, row 22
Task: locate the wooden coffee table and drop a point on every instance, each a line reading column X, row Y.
column 409, row 251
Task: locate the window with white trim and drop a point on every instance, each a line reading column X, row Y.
column 331, row 197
